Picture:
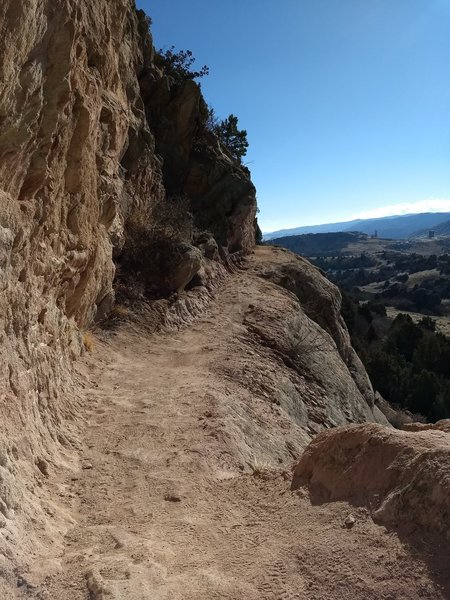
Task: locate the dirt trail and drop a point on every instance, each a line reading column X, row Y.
column 166, row 506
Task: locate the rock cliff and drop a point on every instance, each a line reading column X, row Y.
column 79, row 169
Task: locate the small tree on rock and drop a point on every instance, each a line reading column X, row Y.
column 233, row 138
column 212, row 120
column 179, row 64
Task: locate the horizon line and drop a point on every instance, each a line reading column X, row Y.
column 441, row 210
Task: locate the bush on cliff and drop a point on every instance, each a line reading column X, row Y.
column 178, row 64
column 156, row 242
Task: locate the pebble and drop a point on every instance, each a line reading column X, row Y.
column 172, row 497
column 349, row 521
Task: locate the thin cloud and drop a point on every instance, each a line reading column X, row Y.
column 405, row 208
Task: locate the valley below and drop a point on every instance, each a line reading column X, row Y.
column 397, row 309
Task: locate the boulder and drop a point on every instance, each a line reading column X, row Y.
column 321, row 301
column 402, row 477
column 187, row 263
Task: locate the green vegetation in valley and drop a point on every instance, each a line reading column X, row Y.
column 319, row 244
column 408, row 363
column 408, row 282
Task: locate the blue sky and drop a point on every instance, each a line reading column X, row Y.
column 346, row 102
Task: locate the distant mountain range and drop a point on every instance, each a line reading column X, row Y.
column 396, row 227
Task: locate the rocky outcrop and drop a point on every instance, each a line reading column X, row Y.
column 223, row 198
column 321, row 301
column 403, row 477
column 442, row 425
column 304, row 334
column 77, row 158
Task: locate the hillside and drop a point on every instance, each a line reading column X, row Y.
column 352, row 244
column 396, row 307
column 395, row 227
column 440, row 229
column 160, row 375
column 322, row 244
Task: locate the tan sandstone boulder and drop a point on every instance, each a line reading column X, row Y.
column 403, row 477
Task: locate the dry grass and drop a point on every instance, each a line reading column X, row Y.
column 119, row 312
column 305, row 339
column 421, row 276
column 88, row 341
column 259, row 467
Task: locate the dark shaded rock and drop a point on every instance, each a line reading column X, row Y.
column 222, row 195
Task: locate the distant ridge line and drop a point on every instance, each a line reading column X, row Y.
column 392, row 227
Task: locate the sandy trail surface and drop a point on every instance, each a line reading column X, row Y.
column 170, row 504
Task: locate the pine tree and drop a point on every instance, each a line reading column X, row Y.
column 233, row 138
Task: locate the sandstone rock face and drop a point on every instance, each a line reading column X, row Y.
column 188, row 264
column 443, row 425
column 404, row 477
column 321, row 302
column 77, row 157
column 311, row 383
